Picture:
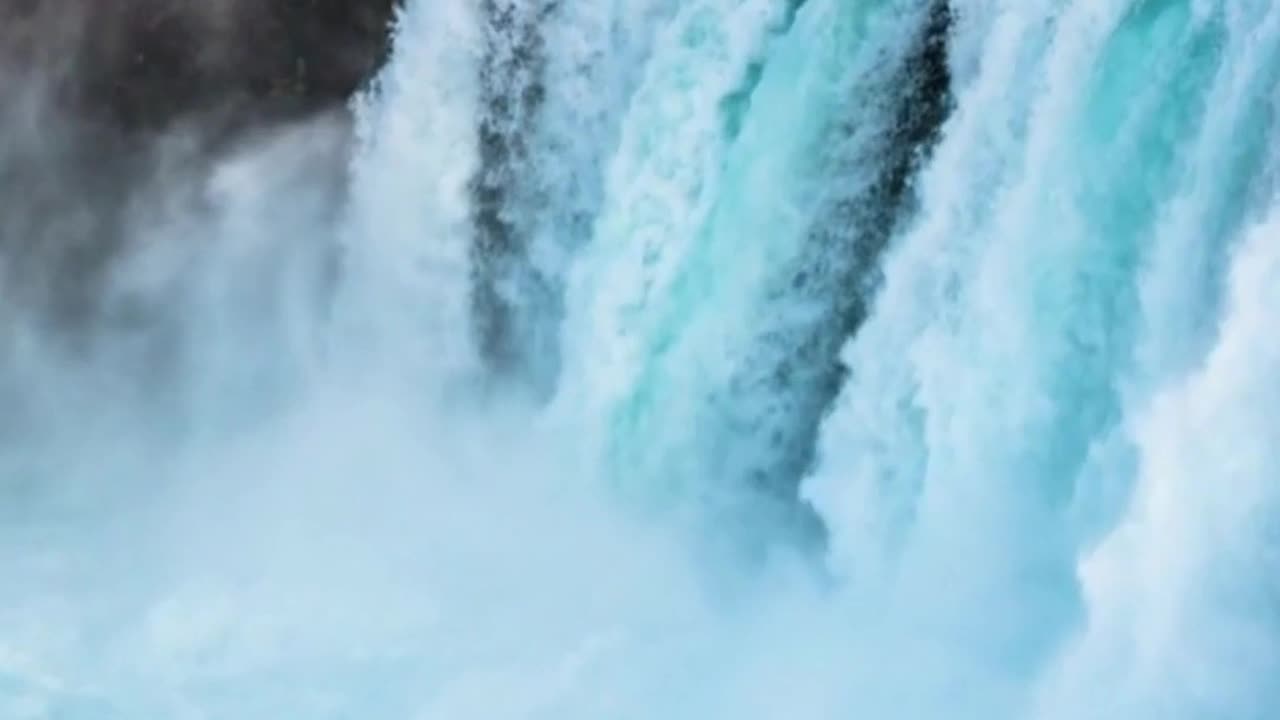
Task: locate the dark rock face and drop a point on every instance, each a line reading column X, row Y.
column 144, row 64
column 101, row 100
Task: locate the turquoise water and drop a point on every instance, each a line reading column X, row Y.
column 896, row 359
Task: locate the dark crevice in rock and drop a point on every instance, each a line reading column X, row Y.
column 507, row 291
column 839, row 269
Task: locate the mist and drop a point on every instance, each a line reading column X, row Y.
column 238, row 485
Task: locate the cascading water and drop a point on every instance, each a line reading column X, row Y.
column 642, row 358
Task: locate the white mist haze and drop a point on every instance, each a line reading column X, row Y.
column 219, row 506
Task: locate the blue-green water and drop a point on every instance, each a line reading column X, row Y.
column 897, row 359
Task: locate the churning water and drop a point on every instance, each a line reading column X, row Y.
column 789, row 359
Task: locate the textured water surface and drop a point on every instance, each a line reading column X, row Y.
column 902, row 359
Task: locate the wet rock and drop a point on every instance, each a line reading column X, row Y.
column 143, row 65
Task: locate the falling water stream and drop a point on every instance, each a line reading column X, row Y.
column 901, row 359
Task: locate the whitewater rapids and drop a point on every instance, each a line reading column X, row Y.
column 753, row 359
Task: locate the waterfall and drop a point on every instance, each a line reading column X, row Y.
column 749, row 359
